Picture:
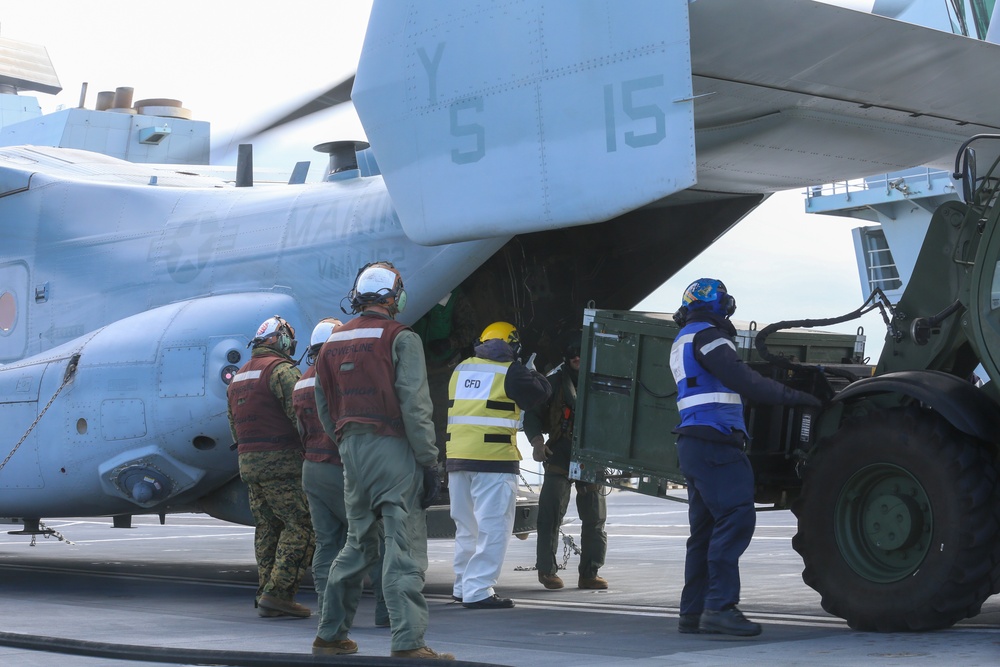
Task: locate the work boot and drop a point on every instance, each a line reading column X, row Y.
column 289, row 607
column 492, row 602
column 334, row 646
column 688, row 624
column 422, row 652
column 550, row 581
column 595, row 583
column 729, row 621
column 263, row 612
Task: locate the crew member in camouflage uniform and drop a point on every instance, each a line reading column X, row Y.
column 263, row 425
column 556, row 418
column 372, row 397
column 323, row 479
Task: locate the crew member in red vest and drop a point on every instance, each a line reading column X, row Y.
column 263, row 425
column 323, row 478
column 372, row 397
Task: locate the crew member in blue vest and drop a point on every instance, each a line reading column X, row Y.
column 711, row 381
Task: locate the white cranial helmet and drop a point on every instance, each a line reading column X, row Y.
column 378, row 283
column 277, row 333
column 323, row 330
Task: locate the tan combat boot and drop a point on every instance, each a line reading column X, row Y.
column 595, row 583
column 422, row 652
column 334, row 646
column 287, row 607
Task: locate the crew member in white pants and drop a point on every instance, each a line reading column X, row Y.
column 487, row 393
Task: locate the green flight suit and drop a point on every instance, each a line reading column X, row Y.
column 383, row 476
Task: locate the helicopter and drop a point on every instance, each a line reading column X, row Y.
column 585, row 157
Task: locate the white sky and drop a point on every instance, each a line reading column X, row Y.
column 240, row 64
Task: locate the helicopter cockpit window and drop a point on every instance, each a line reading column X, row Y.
column 8, row 312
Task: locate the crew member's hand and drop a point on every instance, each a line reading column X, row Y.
column 809, row 401
column 432, row 486
column 539, row 451
column 796, row 397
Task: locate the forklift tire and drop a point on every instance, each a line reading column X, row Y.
column 899, row 522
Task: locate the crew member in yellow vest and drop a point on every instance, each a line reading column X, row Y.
column 486, row 394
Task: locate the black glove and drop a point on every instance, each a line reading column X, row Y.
column 432, row 486
column 808, row 400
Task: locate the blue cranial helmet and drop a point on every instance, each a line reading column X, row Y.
column 708, row 294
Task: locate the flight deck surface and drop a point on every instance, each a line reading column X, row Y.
column 190, row 584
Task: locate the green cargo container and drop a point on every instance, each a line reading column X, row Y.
column 627, row 400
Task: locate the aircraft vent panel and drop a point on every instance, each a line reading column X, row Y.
column 182, row 371
column 123, row 419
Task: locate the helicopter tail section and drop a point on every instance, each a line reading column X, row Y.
column 492, row 119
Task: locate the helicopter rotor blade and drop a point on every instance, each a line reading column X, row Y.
column 337, row 95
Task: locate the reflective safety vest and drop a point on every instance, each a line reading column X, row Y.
column 701, row 399
column 319, row 447
column 356, row 373
column 482, row 420
column 259, row 418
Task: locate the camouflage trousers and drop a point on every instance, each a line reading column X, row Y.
column 283, row 536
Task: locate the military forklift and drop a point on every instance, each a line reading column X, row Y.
column 895, row 481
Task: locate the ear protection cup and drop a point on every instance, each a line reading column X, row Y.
column 707, row 294
column 728, row 305
column 392, row 297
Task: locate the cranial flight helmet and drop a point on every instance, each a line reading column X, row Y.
column 706, row 294
column 321, row 332
column 377, row 284
column 276, row 333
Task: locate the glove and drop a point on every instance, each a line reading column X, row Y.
column 795, row 397
column 540, row 452
column 432, row 486
column 530, row 363
column 808, row 400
